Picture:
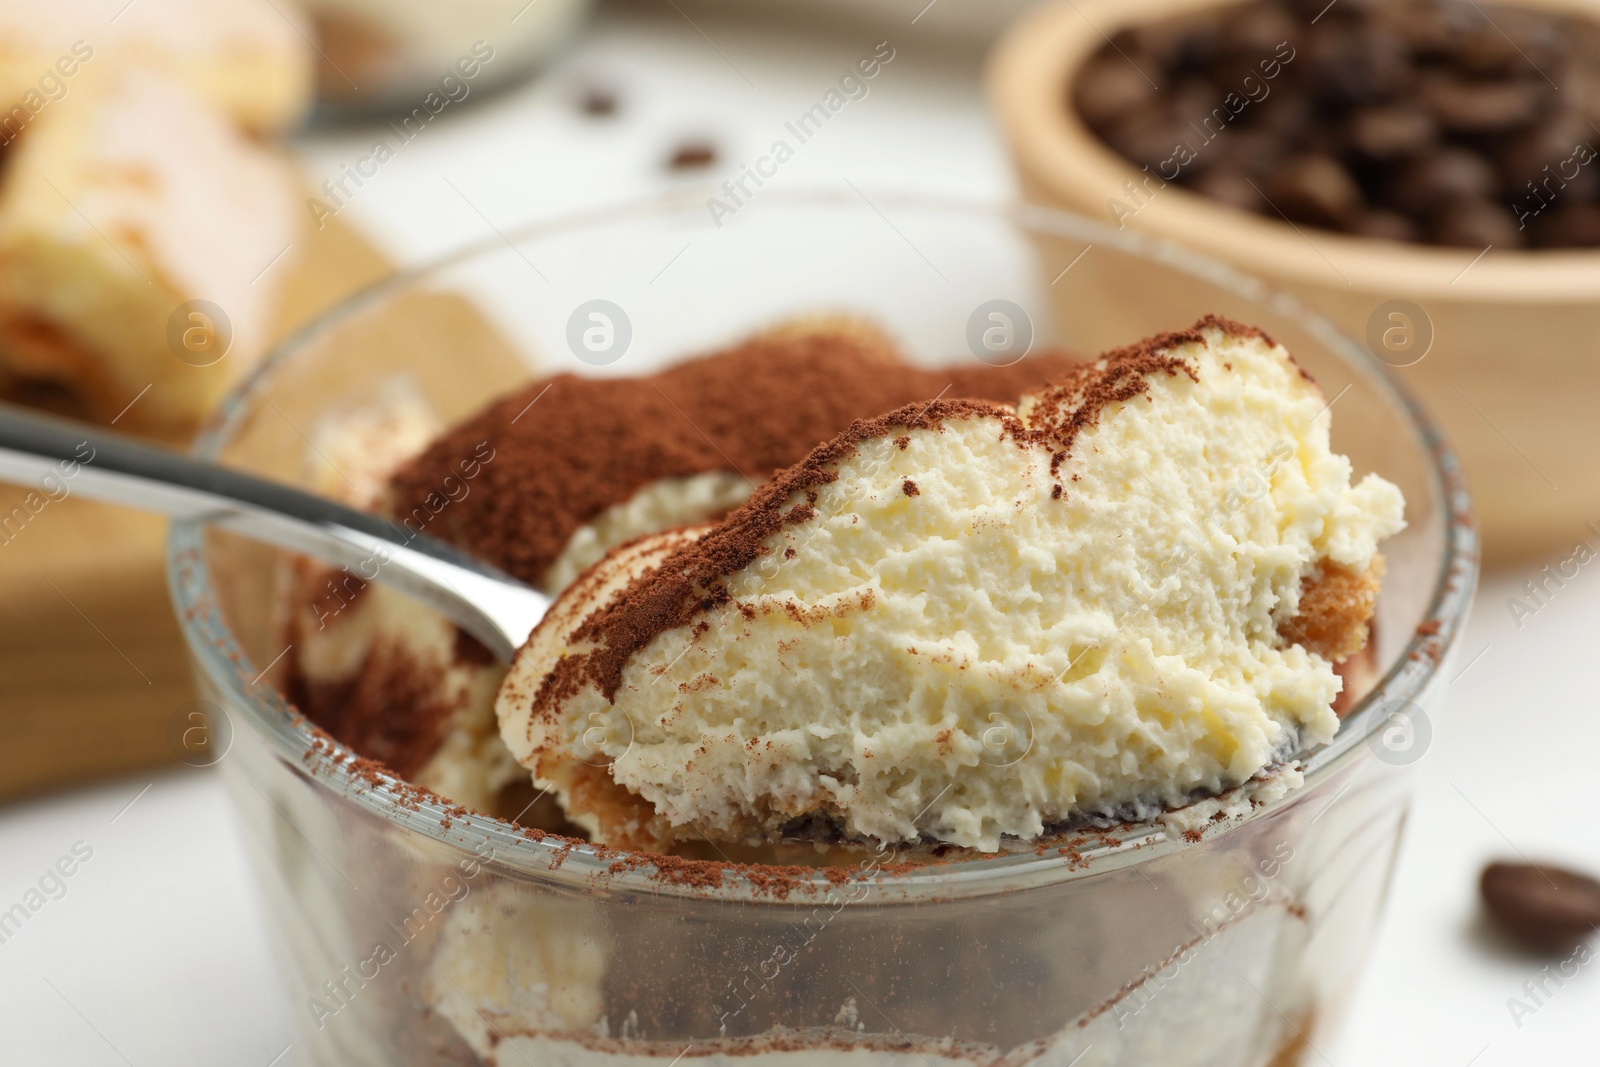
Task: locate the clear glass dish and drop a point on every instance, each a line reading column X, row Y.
column 414, row 934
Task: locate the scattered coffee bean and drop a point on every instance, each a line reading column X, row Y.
column 692, row 155
column 1547, row 908
column 597, row 101
column 1409, row 120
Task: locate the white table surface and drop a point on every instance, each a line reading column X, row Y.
column 158, row 952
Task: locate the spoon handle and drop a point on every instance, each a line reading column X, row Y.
column 58, row 457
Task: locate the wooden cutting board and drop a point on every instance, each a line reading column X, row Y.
column 92, row 666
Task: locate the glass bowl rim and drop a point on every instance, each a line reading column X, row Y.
column 551, row 859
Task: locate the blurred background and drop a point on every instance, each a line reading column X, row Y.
column 183, row 183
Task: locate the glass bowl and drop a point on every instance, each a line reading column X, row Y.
column 416, row 933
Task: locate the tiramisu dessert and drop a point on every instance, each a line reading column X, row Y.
column 858, row 600
column 817, row 605
column 968, row 621
column 543, row 484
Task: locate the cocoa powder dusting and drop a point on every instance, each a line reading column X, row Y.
column 469, row 650
column 591, row 443
column 391, row 711
column 1073, row 402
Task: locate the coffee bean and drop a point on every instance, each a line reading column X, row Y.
column 1150, row 140
column 1321, row 10
column 1254, row 152
column 1434, row 31
column 1255, row 41
column 1231, row 186
column 1354, row 65
column 1420, row 120
column 1471, row 107
column 1230, row 71
column 1110, row 88
column 692, row 155
column 597, row 101
column 1316, row 189
column 1395, row 131
column 1159, row 41
column 1256, row 30
column 1291, row 118
column 1485, row 51
column 1565, row 226
column 1202, row 49
column 1473, row 222
column 1182, row 44
column 1547, row 908
column 1423, row 184
column 1199, row 101
column 1580, row 86
column 1540, row 42
column 1124, row 41
column 1385, row 226
column 1550, row 156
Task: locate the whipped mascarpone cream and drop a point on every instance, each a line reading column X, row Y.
column 965, row 622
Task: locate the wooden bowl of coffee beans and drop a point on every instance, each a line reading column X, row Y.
column 1426, row 173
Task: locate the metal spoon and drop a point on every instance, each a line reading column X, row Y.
column 489, row 604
